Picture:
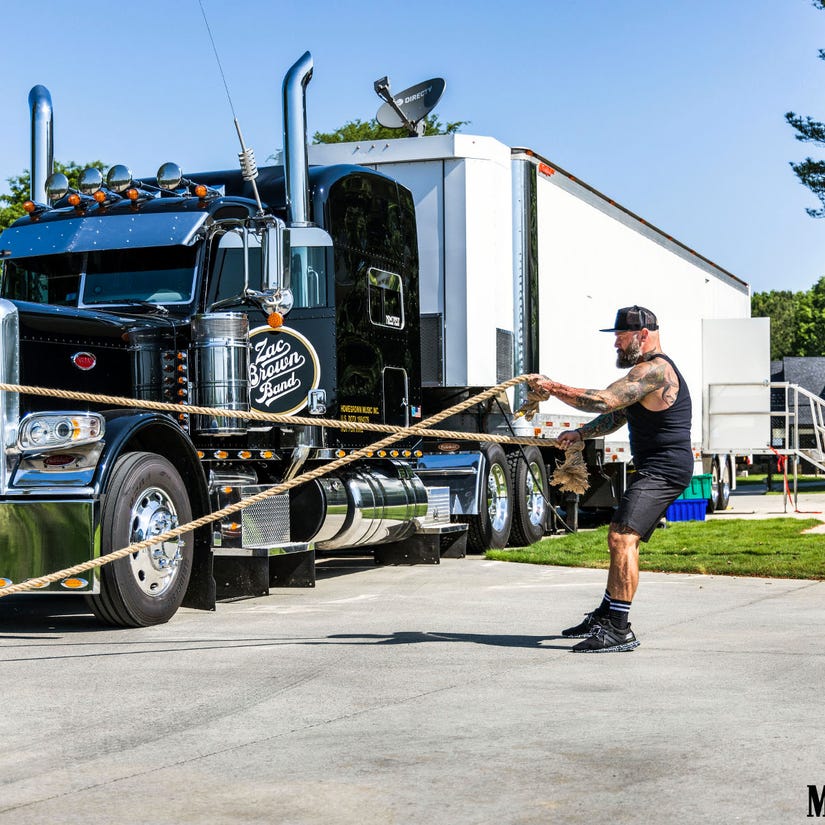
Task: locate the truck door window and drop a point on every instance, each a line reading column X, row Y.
column 308, row 276
column 385, row 298
column 226, row 278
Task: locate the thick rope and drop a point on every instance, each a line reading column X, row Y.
column 278, row 489
column 274, row 418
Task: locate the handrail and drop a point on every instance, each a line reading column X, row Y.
column 785, row 424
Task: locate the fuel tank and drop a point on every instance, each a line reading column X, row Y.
column 362, row 505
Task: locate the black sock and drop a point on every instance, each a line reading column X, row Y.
column 604, row 608
column 619, row 612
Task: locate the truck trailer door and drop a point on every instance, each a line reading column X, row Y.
column 736, row 369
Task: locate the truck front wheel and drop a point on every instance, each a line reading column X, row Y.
column 490, row 528
column 145, row 497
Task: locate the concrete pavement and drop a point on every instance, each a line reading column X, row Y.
column 430, row 694
column 748, row 503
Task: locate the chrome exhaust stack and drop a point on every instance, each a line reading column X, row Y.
column 42, row 141
column 296, row 164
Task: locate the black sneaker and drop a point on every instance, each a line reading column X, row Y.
column 607, row 638
column 588, row 626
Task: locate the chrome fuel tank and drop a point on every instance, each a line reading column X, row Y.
column 365, row 504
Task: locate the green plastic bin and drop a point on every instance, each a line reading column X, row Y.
column 699, row 487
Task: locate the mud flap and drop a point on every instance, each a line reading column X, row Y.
column 201, row 592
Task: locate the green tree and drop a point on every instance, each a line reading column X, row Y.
column 779, row 306
column 797, row 320
column 20, row 186
column 811, row 173
column 355, row 130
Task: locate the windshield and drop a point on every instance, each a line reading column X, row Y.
column 163, row 275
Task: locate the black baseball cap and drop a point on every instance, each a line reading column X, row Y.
column 633, row 319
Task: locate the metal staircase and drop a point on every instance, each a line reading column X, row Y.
column 797, row 424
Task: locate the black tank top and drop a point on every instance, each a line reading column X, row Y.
column 660, row 441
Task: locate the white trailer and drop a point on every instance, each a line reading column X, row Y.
column 522, row 263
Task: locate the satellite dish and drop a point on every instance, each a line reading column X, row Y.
column 406, row 109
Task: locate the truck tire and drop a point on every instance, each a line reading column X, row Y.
column 530, row 495
column 490, row 528
column 720, row 484
column 145, row 496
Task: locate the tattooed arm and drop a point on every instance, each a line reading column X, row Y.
column 641, row 381
column 600, row 425
column 603, row 424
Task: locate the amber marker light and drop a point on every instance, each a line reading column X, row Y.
column 74, row 584
column 340, row 453
column 266, row 453
column 74, row 199
column 100, row 196
column 394, row 453
column 418, row 453
column 29, row 206
column 132, row 194
column 221, row 454
column 201, row 453
column 275, row 320
column 382, row 453
column 5, row 582
column 244, row 454
column 201, row 190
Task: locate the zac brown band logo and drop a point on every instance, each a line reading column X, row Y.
column 283, row 368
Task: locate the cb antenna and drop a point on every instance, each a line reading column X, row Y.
column 249, row 169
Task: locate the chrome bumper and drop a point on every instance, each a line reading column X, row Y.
column 41, row 537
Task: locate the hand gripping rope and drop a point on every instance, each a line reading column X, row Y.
column 572, row 473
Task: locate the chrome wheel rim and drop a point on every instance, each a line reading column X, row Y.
column 155, row 568
column 498, row 504
column 535, row 504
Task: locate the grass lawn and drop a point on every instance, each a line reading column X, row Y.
column 738, row 547
column 757, row 482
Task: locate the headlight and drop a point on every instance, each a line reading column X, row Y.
column 45, row 431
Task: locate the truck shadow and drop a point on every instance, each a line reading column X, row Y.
column 40, row 614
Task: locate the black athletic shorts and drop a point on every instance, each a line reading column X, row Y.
column 644, row 503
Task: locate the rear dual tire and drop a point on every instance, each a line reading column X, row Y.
column 530, row 497
column 489, row 529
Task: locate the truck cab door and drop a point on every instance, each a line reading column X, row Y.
column 396, row 399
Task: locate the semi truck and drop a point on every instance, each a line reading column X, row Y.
column 306, row 291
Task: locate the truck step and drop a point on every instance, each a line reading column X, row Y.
column 247, row 572
column 428, row 545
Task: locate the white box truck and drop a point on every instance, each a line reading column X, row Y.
column 521, row 263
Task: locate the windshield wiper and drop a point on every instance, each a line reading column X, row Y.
column 160, row 310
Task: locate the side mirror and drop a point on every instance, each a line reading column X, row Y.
column 276, row 257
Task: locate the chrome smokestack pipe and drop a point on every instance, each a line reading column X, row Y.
column 296, row 166
column 42, row 137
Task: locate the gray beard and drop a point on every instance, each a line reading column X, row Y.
column 629, row 357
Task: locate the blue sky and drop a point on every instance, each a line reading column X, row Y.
column 674, row 109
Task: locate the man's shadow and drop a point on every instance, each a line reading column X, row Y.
column 412, row 637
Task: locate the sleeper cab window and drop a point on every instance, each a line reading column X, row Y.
column 386, row 299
